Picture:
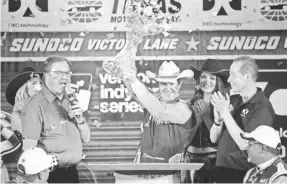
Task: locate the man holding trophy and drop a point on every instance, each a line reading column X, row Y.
column 167, row 124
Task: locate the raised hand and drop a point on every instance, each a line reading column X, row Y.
column 201, row 107
column 220, row 103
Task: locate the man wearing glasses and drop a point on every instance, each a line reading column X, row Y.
column 34, row 166
column 264, row 151
column 47, row 121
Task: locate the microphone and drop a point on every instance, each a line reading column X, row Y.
column 73, row 99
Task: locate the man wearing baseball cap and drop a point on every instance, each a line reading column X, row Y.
column 264, row 151
column 34, row 166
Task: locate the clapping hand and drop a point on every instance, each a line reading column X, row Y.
column 201, row 107
column 220, row 103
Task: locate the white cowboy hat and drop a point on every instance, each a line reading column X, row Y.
column 168, row 72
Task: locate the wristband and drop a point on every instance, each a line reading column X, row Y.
column 217, row 124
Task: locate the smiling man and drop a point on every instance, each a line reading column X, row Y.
column 167, row 123
column 264, row 152
column 249, row 109
column 47, row 122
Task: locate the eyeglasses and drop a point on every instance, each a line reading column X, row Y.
column 61, row 74
column 253, row 143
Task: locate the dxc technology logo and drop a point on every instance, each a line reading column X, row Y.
column 29, row 7
column 222, row 7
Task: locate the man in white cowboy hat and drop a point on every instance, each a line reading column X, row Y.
column 167, row 122
column 264, row 151
column 34, row 166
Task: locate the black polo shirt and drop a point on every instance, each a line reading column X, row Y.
column 255, row 112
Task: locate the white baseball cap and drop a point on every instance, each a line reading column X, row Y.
column 265, row 135
column 35, row 160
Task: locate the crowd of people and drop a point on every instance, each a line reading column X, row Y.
column 224, row 125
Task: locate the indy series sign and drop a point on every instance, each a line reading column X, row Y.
column 178, row 46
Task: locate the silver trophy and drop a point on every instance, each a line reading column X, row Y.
column 144, row 18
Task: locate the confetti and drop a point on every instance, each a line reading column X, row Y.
column 62, row 41
column 96, row 107
column 214, row 13
column 94, row 86
column 165, row 34
column 82, row 34
column 13, row 17
column 110, row 35
column 53, row 127
column 97, row 123
column 187, row 15
column 245, row 7
column 70, row 35
column 280, row 63
column 63, row 121
column 141, row 62
column 249, row 22
column 42, row 34
column 189, row 31
column 3, row 38
column 70, row 21
column 4, row 2
column 254, row 10
column 63, row 21
column 86, row 32
column 84, row 156
column 115, row 28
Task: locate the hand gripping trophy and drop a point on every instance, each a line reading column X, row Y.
column 144, row 17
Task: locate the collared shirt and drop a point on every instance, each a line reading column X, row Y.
column 266, row 164
column 45, row 119
column 248, row 116
column 271, row 171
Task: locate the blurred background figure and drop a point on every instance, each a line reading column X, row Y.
column 34, row 166
column 11, row 143
column 23, row 86
column 264, row 152
column 212, row 77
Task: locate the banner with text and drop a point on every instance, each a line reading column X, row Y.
column 109, row 15
column 177, row 46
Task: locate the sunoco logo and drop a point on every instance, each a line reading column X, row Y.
column 274, row 10
column 85, row 11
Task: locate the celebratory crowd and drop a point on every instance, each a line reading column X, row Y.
column 227, row 125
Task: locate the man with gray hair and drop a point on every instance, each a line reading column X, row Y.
column 264, row 152
column 244, row 111
column 54, row 121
